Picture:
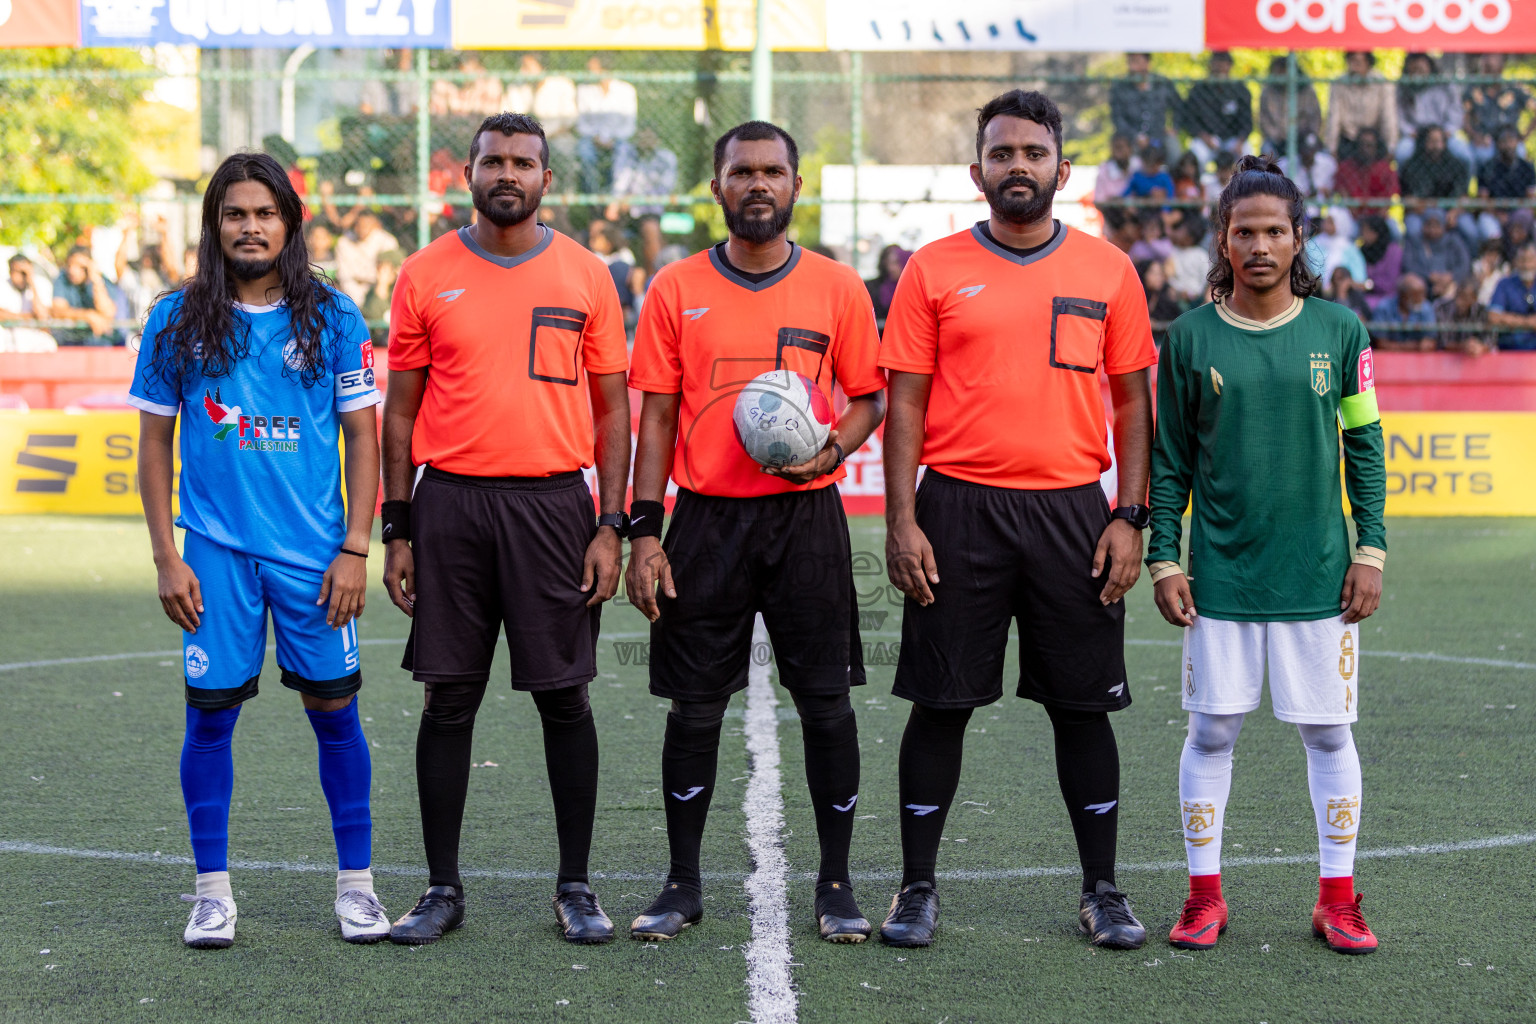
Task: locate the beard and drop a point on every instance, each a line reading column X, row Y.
column 1019, row 209
column 250, row 269
column 757, row 230
column 503, row 206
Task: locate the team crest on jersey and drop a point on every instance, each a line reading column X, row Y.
column 1199, row 815
column 1347, row 656
column 1322, row 373
column 196, row 662
column 293, row 356
column 1343, row 815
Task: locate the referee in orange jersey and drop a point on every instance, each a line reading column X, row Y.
column 507, row 359
column 745, row 540
column 993, row 344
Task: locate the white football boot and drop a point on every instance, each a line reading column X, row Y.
column 362, row 916
column 212, row 924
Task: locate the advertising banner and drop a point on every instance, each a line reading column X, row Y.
column 1045, row 25
column 84, row 463
column 39, row 23
column 1460, row 463
column 254, row 24
column 1508, row 26
column 636, row 24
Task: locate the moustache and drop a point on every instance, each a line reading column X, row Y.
column 509, row 191
column 1256, row 264
column 1018, row 180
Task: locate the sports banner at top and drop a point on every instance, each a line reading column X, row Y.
column 254, row 24
column 637, row 24
column 1508, row 26
column 39, row 23
column 1164, row 26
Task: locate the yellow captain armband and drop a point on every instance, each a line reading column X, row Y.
column 1375, row 557
column 1162, row 570
column 1359, row 410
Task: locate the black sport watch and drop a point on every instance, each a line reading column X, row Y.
column 1138, row 516
column 618, row 520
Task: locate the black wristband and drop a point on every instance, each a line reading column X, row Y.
column 354, row 554
column 397, row 520
column 645, row 518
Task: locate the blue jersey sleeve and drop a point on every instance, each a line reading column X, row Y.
column 151, row 391
column 352, row 358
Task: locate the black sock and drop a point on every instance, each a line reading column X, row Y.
column 688, row 758
column 831, row 737
column 442, row 773
column 570, row 757
column 929, row 774
column 1088, row 768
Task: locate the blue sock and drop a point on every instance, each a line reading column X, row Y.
column 346, row 774
column 207, row 782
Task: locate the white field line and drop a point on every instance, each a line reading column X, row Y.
column 1005, row 874
column 770, row 993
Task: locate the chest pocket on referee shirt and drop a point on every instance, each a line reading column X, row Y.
column 1077, row 333
column 554, row 344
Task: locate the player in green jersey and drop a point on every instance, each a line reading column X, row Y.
column 1253, row 393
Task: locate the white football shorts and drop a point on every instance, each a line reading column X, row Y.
column 1314, row 668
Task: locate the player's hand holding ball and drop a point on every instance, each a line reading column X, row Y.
column 180, row 594
column 345, row 586
column 784, row 423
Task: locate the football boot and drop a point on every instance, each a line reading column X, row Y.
column 677, row 907
column 1104, row 915
column 837, row 915
column 439, row 911
column 1203, row 919
column 582, row 921
column 913, row 918
column 1343, row 927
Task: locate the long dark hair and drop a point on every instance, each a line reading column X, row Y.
column 206, row 331
column 1258, row 176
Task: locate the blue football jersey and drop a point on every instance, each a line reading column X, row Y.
column 260, row 467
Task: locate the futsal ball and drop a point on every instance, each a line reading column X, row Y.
column 782, row 418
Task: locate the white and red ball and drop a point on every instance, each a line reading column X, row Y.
column 782, row 418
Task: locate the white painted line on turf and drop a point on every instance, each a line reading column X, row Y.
column 770, row 995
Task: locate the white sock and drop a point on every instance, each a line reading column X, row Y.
column 361, row 880
column 1333, row 775
column 215, row 883
column 1205, row 780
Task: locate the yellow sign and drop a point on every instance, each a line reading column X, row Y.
column 635, row 24
column 84, row 463
column 1460, row 463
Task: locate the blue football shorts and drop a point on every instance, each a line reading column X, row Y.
column 223, row 658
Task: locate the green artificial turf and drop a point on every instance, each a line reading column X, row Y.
column 88, row 756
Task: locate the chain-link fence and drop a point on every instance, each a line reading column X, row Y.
column 111, row 149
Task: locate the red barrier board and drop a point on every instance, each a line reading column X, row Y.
column 1508, row 26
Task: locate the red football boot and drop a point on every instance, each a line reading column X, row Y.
column 1203, row 919
column 1344, row 927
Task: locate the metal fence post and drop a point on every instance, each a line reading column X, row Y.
column 1290, row 111
column 762, row 68
column 423, row 151
column 856, row 137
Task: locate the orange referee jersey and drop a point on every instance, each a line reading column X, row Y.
column 507, row 344
column 705, row 332
column 1014, row 344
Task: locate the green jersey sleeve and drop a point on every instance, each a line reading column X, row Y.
column 1365, row 461
column 1173, row 449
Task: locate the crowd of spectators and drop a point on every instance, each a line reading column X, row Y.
column 1420, row 190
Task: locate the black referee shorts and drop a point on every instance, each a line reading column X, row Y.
column 785, row 555
column 1007, row 554
column 494, row 552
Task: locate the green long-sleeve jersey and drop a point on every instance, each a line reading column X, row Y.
column 1249, row 416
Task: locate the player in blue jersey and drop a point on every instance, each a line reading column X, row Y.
column 265, row 363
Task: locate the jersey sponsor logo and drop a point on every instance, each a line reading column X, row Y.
column 1347, row 656
column 1117, row 689
column 196, row 660
column 694, row 314
column 349, row 647
column 451, row 294
column 1322, row 373
column 269, row 433
column 225, row 417
column 922, row 810
column 1216, row 381
column 692, row 792
column 1367, row 370
column 367, row 348
column 970, row 291
column 1343, row 813
column 1102, row 808
column 354, row 382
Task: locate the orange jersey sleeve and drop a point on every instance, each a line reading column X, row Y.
column 409, row 346
column 857, row 361
column 654, row 364
column 911, row 341
column 1128, row 345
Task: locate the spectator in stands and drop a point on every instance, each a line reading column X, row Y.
column 1489, row 268
column 1422, row 104
column 1437, row 255
column 375, row 305
column 1383, row 256
column 1367, row 173
column 1115, row 173
column 643, row 168
column 1494, row 106
column 1162, row 304
column 1463, row 308
column 606, row 111
column 1507, row 175
column 1217, row 113
column 358, row 252
column 1141, row 104
column 1517, row 231
column 1417, row 317
column 1360, row 102
column 1151, row 243
column 80, row 293
column 322, row 248
column 1191, row 261
column 1514, row 303
column 1121, row 228
column 1316, row 169
column 24, row 295
column 552, row 99
column 605, row 239
column 1226, row 167
column 1332, row 245
column 882, row 287
column 1186, row 177
column 1433, row 171
column 478, row 96
column 1151, row 180
column 1343, row 289
column 1275, row 108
